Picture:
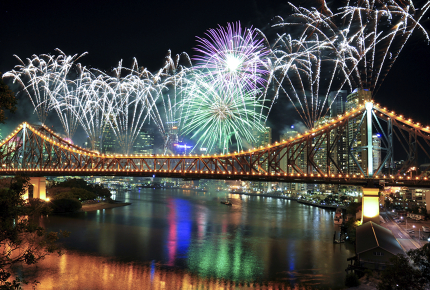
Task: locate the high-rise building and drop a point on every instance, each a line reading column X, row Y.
column 337, row 102
column 144, row 143
column 286, row 136
column 376, row 143
column 357, row 136
column 320, row 153
column 109, row 144
column 263, row 138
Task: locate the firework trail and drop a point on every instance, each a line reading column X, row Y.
column 173, row 75
column 306, row 73
column 355, row 47
column 134, row 97
column 46, row 80
column 219, row 114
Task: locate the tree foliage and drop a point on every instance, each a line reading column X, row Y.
column 77, row 193
column 7, row 100
column 401, row 274
column 421, row 259
column 76, row 183
column 22, row 240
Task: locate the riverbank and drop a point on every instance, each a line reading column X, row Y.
column 102, row 205
column 325, row 206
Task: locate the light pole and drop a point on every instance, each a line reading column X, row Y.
column 406, row 221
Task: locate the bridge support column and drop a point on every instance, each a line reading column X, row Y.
column 369, row 108
column 38, row 190
column 370, row 205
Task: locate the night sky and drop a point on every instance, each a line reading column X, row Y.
column 113, row 30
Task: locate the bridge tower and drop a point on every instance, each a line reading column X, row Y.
column 370, row 200
column 37, row 188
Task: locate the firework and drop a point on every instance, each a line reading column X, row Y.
column 45, row 79
column 218, row 115
column 305, row 73
column 174, row 74
column 233, row 55
column 134, row 102
column 331, row 51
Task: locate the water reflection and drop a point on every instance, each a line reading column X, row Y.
column 74, row 271
column 197, row 239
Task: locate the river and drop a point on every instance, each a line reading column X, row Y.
column 179, row 239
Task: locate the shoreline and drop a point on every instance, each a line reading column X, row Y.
column 329, row 207
column 102, row 205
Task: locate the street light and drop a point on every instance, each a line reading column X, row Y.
column 406, row 221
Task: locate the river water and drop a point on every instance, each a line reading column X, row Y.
column 178, row 239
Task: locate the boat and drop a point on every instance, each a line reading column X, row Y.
column 338, row 216
column 226, row 203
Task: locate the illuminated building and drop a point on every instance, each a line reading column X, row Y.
column 144, row 143
column 286, row 136
column 360, row 141
column 376, row 140
column 338, row 101
column 109, row 143
column 262, row 139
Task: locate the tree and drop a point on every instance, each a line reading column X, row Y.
column 7, row 100
column 21, row 240
column 400, row 274
column 421, row 259
column 75, row 183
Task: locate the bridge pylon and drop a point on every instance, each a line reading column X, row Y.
column 37, row 188
column 370, row 205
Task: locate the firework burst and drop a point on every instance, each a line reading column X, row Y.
column 233, row 55
column 217, row 116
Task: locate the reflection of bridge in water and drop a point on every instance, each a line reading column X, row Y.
column 307, row 158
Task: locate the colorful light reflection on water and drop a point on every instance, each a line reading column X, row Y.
column 169, row 239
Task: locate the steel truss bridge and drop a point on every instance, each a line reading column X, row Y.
column 339, row 151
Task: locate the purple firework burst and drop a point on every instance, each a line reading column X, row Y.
column 232, row 54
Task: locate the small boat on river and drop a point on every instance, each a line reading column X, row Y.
column 338, row 220
column 226, row 203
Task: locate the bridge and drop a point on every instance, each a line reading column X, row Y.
column 311, row 157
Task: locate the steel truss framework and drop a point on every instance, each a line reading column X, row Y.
column 311, row 157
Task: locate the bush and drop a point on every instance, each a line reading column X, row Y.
column 37, row 207
column 351, row 280
column 66, row 205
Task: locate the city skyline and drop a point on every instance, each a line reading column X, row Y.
column 391, row 93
